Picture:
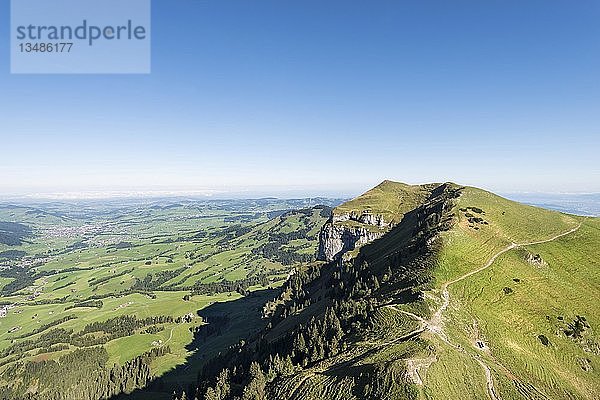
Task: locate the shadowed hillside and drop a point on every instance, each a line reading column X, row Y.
column 464, row 294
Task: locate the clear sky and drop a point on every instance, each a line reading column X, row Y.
column 322, row 95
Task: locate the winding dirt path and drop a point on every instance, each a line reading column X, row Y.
column 488, row 379
column 436, row 324
column 170, row 337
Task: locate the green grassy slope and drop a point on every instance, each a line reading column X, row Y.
column 389, row 199
column 370, row 296
column 509, row 305
column 476, row 297
column 471, row 244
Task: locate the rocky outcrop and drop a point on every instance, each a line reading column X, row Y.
column 336, row 239
column 365, row 218
column 535, row 259
column 346, row 231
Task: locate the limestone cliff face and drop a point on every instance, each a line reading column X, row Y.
column 347, row 229
column 364, row 218
column 345, row 232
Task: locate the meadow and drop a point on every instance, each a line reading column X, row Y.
column 91, row 262
column 517, row 315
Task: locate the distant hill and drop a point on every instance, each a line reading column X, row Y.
column 13, row 234
column 433, row 291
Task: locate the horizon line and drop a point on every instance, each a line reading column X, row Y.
column 278, row 192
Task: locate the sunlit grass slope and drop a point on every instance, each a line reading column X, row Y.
column 523, row 306
column 389, row 199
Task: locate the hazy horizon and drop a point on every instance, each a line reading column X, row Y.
column 585, row 204
column 233, row 192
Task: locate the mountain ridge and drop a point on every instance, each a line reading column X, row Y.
column 383, row 294
column 370, row 216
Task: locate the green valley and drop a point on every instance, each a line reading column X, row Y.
column 435, row 291
column 122, row 283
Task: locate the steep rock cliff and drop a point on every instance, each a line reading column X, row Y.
column 336, row 239
column 371, row 215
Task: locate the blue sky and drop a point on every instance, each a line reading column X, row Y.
column 321, row 96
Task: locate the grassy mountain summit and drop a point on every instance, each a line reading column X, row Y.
column 369, row 216
column 462, row 294
column 388, row 199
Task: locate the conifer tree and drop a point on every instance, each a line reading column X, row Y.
column 255, row 389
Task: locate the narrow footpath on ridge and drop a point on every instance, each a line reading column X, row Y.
column 436, row 324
